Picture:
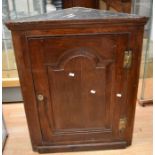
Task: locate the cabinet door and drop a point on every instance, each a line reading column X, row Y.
column 80, row 86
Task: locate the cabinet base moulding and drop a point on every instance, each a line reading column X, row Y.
column 81, row 147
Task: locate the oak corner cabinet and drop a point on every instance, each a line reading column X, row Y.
column 79, row 71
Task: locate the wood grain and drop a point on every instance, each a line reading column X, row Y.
column 19, row 142
column 81, row 3
column 69, row 117
column 119, row 5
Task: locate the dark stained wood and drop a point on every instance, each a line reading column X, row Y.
column 119, row 5
column 27, row 87
column 79, row 72
column 82, row 3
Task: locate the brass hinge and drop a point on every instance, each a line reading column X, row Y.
column 122, row 124
column 127, row 59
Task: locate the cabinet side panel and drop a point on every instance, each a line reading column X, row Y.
column 136, row 46
column 26, row 82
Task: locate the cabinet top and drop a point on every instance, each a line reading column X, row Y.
column 75, row 15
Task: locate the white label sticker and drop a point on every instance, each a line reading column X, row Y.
column 71, row 74
column 119, row 95
column 93, row 91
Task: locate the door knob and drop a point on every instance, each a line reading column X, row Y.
column 40, row 97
